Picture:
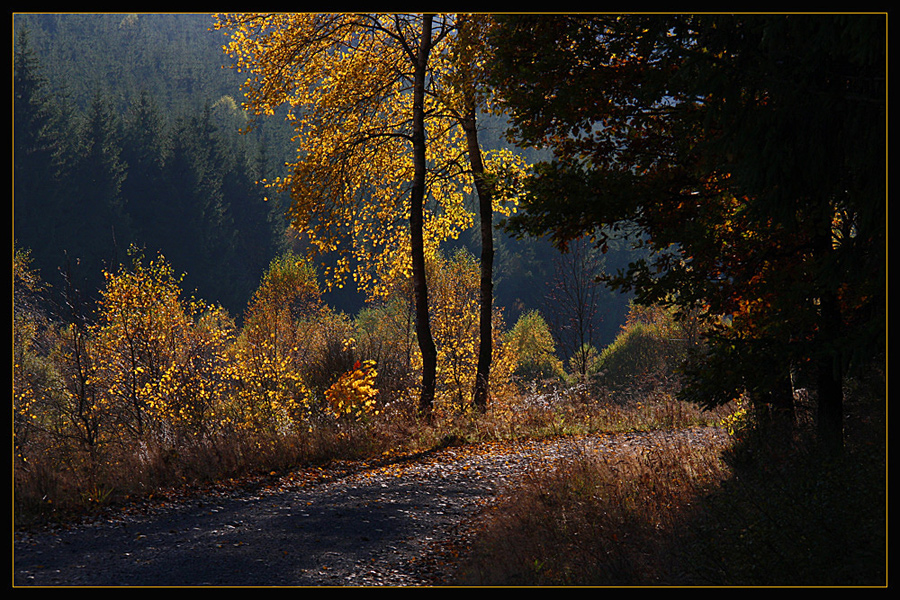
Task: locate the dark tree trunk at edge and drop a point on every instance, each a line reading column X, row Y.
column 829, row 375
column 830, row 382
column 486, row 211
column 416, row 220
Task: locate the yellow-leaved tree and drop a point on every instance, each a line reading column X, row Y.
column 157, row 356
column 381, row 176
column 270, row 392
column 462, row 95
column 455, row 315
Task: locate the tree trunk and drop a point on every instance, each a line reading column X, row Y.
column 830, row 381
column 486, row 212
column 775, row 411
column 829, row 375
column 417, row 221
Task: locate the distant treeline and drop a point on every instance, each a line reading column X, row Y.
column 119, row 143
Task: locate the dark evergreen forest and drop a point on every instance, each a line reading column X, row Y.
column 128, row 132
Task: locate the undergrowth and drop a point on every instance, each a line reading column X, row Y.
column 59, row 486
column 743, row 513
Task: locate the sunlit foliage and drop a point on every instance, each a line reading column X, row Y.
column 270, row 393
column 535, row 349
column 34, row 377
column 454, row 314
column 346, row 82
column 143, row 322
column 353, row 394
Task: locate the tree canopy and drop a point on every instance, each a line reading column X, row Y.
column 749, row 150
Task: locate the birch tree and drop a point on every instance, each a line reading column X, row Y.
column 387, row 145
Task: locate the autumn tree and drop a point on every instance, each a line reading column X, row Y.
column 33, row 373
column 455, row 318
column 749, row 150
column 494, row 174
column 532, row 344
column 192, row 394
column 355, row 87
column 264, row 368
column 385, row 111
column 142, row 319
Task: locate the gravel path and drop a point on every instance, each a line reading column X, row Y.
column 377, row 526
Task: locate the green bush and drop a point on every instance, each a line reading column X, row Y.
column 647, row 352
column 532, row 343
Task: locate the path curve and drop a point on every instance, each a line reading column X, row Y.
column 377, row 526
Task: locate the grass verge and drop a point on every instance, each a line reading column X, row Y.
column 748, row 513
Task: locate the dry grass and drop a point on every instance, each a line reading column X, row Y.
column 674, row 514
column 594, row 520
column 751, row 513
column 63, row 481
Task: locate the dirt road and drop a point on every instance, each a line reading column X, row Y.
column 377, row 526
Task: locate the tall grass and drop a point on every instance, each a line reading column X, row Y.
column 593, row 520
column 742, row 513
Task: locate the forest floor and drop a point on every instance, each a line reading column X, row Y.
column 398, row 523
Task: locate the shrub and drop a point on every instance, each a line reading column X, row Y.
column 531, row 342
column 453, row 298
column 386, row 336
column 270, row 391
column 325, row 348
column 648, row 351
column 353, row 394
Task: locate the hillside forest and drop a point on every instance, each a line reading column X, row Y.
column 242, row 242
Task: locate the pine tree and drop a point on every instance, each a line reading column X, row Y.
column 36, row 150
column 96, row 228
column 144, row 151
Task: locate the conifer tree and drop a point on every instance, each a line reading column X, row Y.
column 94, row 225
